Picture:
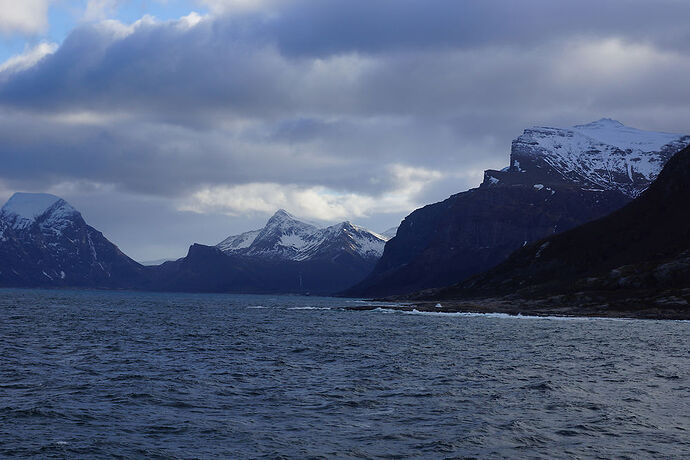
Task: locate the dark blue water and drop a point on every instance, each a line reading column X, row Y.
column 128, row 375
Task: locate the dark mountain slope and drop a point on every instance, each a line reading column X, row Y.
column 643, row 246
column 208, row 269
column 557, row 179
column 472, row 231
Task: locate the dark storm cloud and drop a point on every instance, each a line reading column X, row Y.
column 322, row 28
column 255, row 64
column 374, row 98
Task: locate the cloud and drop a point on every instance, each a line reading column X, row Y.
column 25, row 17
column 334, row 110
column 28, row 59
column 100, row 9
column 234, row 6
column 316, row 202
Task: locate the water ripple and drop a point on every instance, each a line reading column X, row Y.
column 130, row 375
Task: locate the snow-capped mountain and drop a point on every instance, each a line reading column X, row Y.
column 286, row 256
column 44, row 241
column 604, row 154
column 558, row 178
column 287, row 238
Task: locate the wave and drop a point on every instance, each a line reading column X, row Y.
column 518, row 316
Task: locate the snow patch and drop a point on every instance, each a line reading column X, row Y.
column 235, row 242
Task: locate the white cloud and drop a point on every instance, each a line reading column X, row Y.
column 28, row 58
column 100, row 9
column 27, row 17
column 225, row 6
column 611, row 60
column 315, row 202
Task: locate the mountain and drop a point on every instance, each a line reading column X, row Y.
column 286, row 238
column 45, row 242
column 286, row 256
column 604, row 154
column 635, row 258
column 557, row 180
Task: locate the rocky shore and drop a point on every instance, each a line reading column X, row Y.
column 662, row 305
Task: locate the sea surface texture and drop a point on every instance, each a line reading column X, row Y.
column 130, row 375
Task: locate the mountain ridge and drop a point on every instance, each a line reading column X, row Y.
column 470, row 232
column 286, row 237
column 287, row 255
column 634, row 260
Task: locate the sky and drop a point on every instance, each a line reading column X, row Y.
column 169, row 122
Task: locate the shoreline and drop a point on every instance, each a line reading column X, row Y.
column 536, row 308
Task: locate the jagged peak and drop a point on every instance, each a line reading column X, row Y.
column 287, row 237
column 283, row 212
column 281, row 217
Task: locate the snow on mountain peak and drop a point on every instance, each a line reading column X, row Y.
column 286, row 237
column 281, row 214
column 612, row 132
column 25, row 208
column 603, row 123
column 605, row 153
column 238, row 242
column 30, row 205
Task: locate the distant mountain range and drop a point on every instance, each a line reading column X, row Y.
column 286, row 238
column 286, row 256
column 45, row 242
column 557, row 179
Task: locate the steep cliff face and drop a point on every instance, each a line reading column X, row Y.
column 557, row 179
column 643, row 246
column 470, row 232
column 45, row 242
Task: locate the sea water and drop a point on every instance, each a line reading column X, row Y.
column 88, row 374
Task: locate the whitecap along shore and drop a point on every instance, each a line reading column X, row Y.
column 665, row 307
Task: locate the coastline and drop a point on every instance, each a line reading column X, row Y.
column 658, row 307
